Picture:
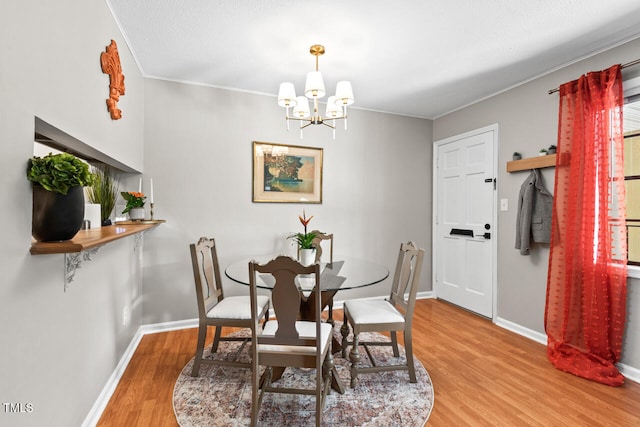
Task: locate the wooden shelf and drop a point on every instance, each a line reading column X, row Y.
column 91, row 238
column 532, row 163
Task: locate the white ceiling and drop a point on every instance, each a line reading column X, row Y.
column 421, row 58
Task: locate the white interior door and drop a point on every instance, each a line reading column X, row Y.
column 464, row 228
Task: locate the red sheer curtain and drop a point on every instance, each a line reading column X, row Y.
column 586, row 284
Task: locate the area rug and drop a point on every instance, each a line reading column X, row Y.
column 221, row 396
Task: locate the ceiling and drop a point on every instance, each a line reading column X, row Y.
column 420, row 58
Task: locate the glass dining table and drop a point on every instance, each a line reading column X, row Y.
column 342, row 274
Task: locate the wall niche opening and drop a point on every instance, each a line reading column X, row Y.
column 48, row 137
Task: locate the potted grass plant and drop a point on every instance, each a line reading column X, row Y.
column 58, row 198
column 104, row 191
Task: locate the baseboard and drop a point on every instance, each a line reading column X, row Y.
column 521, row 330
column 627, row 371
column 169, row 326
column 101, row 403
column 103, row 399
column 425, row 295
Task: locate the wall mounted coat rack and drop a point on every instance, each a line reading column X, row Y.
column 532, row 163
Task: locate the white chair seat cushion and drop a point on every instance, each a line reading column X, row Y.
column 305, row 330
column 364, row 312
column 238, row 307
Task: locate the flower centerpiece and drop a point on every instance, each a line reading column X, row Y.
column 135, row 204
column 304, row 240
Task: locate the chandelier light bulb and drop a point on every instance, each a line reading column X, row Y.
column 314, row 88
column 344, row 93
column 301, row 110
column 287, row 95
column 334, row 110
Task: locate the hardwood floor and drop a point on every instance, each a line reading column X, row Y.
column 483, row 375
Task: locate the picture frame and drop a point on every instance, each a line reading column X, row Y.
column 286, row 173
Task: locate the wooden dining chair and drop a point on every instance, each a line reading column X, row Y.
column 214, row 309
column 317, row 243
column 286, row 341
column 392, row 315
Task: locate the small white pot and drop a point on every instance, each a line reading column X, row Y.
column 307, row 256
column 136, row 214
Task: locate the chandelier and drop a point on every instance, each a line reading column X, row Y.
column 314, row 89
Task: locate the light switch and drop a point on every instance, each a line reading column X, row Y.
column 504, row 204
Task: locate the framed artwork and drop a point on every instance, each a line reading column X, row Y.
column 286, row 173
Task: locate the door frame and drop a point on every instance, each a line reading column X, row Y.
column 494, row 240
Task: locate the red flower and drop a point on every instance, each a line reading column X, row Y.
column 134, row 199
column 304, row 240
column 304, row 220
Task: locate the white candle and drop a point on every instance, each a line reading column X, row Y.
column 140, row 186
column 151, row 188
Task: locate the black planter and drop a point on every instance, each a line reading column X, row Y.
column 56, row 216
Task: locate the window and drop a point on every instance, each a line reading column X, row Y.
column 631, row 117
column 631, row 122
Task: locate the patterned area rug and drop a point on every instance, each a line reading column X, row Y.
column 221, row 396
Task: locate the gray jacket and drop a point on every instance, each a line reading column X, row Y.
column 535, row 208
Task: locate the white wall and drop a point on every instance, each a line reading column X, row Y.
column 198, row 149
column 59, row 348
column 527, row 118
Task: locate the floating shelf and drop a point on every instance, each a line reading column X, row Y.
column 532, row 163
column 91, row 238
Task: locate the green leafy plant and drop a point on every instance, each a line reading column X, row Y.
column 304, row 240
column 103, row 190
column 134, row 199
column 59, row 172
